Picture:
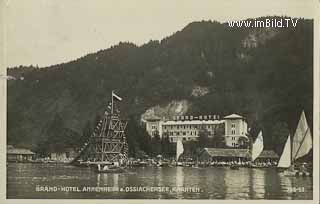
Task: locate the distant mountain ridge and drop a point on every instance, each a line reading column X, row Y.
column 269, row 83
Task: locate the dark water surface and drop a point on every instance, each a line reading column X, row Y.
column 65, row 181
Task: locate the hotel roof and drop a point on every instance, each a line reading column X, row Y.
column 268, row 154
column 233, row 116
column 194, row 122
column 221, row 152
column 152, row 118
column 12, row 150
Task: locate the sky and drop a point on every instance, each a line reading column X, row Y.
column 47, row 32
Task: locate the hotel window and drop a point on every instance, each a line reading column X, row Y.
column 233, row 132
column 184, row 139
column 184, row 127
column 233, row 125
column 183, row 133
column 177, row 126
column 191, row 133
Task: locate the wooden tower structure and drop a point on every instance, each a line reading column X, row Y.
column 108, row 142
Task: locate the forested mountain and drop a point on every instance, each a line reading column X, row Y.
column 265, row 74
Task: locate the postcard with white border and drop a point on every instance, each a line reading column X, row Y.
column 159, row 100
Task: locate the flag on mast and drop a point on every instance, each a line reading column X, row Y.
column 109, row 106
column 257, row 146
column 116, row 97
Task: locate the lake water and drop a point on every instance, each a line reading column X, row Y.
column 65, row 181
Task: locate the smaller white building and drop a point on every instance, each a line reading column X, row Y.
column 153, row 126
column 236, row 130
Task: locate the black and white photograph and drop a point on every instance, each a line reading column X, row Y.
column 159, row 100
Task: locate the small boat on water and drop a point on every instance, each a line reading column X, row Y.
column 143, row 164
column 179, row 164
column 254, row 166
column 234, row 167
column 299, row 147
column 110, row 169
column 162, row 164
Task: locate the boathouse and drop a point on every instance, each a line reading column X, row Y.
column 64, row 155
column 222, row 154
column 19, row 154
column 267, row 156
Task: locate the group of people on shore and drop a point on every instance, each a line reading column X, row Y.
column 193, row 163
column 240, row 163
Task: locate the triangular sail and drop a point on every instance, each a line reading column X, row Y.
column 179, row 149
column 257, row 146
column 285, row 159
column 302, row 141
column 305, row 146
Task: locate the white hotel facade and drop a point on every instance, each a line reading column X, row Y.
column 187, row 128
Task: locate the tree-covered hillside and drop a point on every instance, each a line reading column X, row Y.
column 264, row 74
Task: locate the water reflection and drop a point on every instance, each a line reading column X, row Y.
column 237, row 183
column 286, row 185
column 179, row 181
column 116, row 180
column 257, row 184
column 98, row 179
column 215, row 183
column 159, row 181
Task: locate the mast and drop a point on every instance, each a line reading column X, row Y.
column 305, row 134
column 302, row 140
column 111, row 102
column 291, row 148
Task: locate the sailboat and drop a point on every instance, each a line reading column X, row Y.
column 257, row 148
column 299, row 147
column 179, row 151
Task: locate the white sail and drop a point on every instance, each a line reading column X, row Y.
column 285, row 159
column 302, row 141
column 305, row 146
column 257, row 146
column 179, row 150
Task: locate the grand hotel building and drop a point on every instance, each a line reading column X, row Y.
column 187, row 128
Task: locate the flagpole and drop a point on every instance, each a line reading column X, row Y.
column 112, row 102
